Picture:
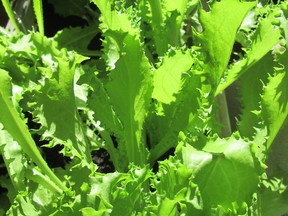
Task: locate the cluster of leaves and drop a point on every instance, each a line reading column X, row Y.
column 156, row 85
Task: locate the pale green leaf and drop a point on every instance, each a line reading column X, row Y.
column 277, row 159
column 219, row 34
column 250, row 89
column 130, row 91
column 273, row 198
column 167, row 78
column 225, row 171
column 181, row 115
column 275, row 99
column 59, row 115
column 263, row 39
column 113, row 20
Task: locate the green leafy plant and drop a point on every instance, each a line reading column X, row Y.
column 154, row 97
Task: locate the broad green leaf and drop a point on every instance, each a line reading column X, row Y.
column 263, row 39
column 80, row 40
column 112, row 19
column 219, row 34
column 130, row 91
column 15, row 126
column 225, row 171
column 167, row 78
column 277, row 159
column 250, row 90
column 181, row 115
column 273, row 198
column 275, row 99
column 273, row 203
column 57, row 100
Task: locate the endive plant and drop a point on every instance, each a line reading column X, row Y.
column 153, row 97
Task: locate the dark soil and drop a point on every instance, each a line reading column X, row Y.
column 102, row 158
column 54, row 22
column 3, row 16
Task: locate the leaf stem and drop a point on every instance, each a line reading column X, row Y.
column 223, row 115
column 39, row 15
column 112, row 151
column 10, row 14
